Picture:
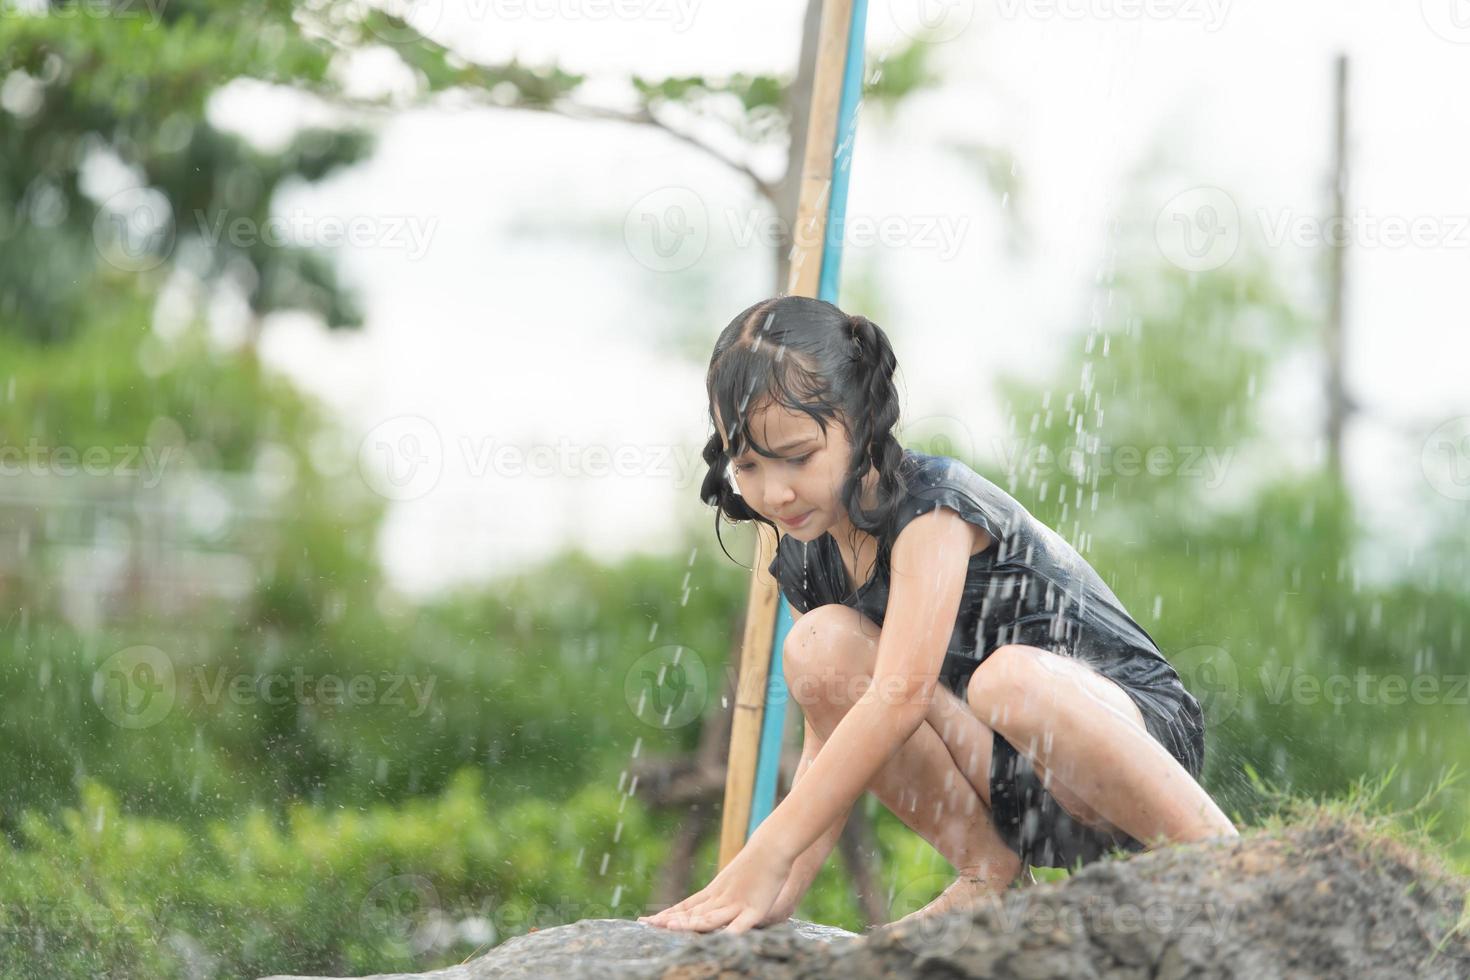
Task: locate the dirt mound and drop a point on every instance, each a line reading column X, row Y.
column 1326, row 899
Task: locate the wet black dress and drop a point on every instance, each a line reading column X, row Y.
column 1031, row 587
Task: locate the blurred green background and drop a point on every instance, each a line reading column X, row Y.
column 157, row 824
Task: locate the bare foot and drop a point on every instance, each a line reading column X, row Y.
column 965, row 892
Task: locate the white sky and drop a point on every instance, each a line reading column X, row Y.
column 524, row 317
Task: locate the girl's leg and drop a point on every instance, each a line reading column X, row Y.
column 828, row 661
column 1086, row 739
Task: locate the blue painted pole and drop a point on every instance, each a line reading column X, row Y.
column 773, row 721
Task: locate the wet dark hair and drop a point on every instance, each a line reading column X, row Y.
column 808, row 356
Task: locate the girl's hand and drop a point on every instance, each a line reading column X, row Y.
column 740, row 897
column 784, row 908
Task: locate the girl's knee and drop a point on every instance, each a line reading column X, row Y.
column 826, row 637
column 826, row 659
column 1000, row 684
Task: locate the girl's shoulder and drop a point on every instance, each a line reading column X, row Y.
column 943, row 481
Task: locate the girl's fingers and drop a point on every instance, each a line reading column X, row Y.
column 718, row 917
column 707, row 919
column 674, row 909
column 689, row 910
column 746, row 920
column 668, row 916
column 705, row 902
column 691, row 915
column 688, row 919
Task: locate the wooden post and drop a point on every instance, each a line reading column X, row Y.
column 755, row 735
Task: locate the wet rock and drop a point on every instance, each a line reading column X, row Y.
column 622, row 948
column 1327, row 899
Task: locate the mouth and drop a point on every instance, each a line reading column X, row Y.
column 796, row 522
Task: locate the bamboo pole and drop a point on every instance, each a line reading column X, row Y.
column 808, row 238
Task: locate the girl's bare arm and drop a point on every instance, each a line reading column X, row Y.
column 808, row 865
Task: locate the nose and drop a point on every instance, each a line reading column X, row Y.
column 778, row 495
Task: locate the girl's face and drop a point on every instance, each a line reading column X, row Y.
column 799, row 489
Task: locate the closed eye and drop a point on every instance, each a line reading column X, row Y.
column 795, row 461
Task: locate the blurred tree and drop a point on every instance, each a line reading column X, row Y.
column 111, row 168
column 753, row 111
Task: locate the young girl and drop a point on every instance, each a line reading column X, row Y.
column 950, row 652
